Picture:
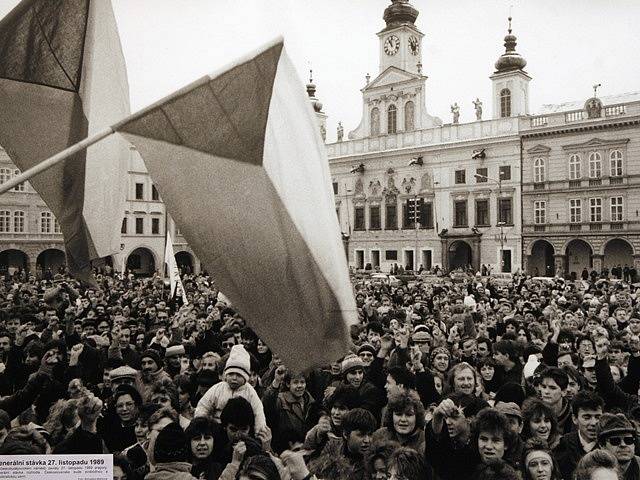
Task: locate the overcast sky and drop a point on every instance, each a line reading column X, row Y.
column 569, row 46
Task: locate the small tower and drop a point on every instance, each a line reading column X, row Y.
column 400, row 40
column 510, row 81
column 317, row 107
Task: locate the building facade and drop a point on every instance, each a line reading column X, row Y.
column 461, row 182
column 30, row 237
column 581, row 186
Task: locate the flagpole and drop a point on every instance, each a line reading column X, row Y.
column 57, row 158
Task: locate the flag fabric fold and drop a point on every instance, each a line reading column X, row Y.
column 63, row 78
column 175, row 283
column 240, row 164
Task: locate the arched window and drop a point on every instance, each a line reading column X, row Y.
column 18, row 221
column 595, row 165
column 615, row 158
column 505, row 102
column 392, row 125
column 575, row 167
column 538, row 170
column 375, row 122
column 409, row 111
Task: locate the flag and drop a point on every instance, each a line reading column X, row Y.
column 240, row 164
column 174, row 273
column 63, row 78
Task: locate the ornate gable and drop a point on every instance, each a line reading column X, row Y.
column 391, row 76
column 539, row 150
column 595, row 143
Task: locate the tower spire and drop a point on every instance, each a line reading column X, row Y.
column 510, row 59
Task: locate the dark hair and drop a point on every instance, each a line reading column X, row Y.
column 166, row 387
column 534, row 408
column 5, row 420
column 358, row 419
column 122, row 462
column 289, row 375
column 345, row 396
column 239, row 412
column 491, row 421
column 583, row 338
column 499, row 470
column 486, row 362
column 402, row 376
column 401, row 402
column 375, row 327
column 508, row 348
column 200, row 426
column 557, row 375
column 261, row 463
column 127, row 390
column 586, row 400
column 594, row 460
column 382, row 450
column 408, row 464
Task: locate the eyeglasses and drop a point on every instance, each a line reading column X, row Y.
column 616, row 441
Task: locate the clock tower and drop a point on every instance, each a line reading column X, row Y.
column 400, row 40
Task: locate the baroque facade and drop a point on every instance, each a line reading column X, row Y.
column 460, row 181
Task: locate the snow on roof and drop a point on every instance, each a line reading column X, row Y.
column 579, row 105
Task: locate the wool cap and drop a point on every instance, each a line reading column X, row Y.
column 439, row 350
column 352, row 362
column 510, row 409
column 612, row 424
column 238, row 362
column 420, row 336
column 153, row 355
column 367, row 347
column 123, row 372
column 172, row 445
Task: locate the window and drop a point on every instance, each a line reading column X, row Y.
column 575, row 210
column 359, row 218
column 595, row 165
column 505, row 211
column 482, row 213
column 56, row 226
column 391, row 255
column 538, row 170
column 426, row 214
column 5, row 221
column 5, row 175
column 505, row 103
column 595, row 209
column 616, row 209
column 540, row 212
column 460, row 219
column 335, row 188
column 410, row 209
column 483, row 172
column 123, row 228
column 391, row 119
column 374, row 217
column 154, row 193
column 505, row 172
column 391, row 217
column 460, row 177
column 409, row 110
column 155, row 226
column 45, row 222
column 375, row 122
column 139, row 226
column 616, row 163
column 139, row 191
column 21, row 186
column 18, row 222
column 575, row 170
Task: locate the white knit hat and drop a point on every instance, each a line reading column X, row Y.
column 238, row 362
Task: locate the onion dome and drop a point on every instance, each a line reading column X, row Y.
column 311, row 91
column 510, row 59
column 400, row 12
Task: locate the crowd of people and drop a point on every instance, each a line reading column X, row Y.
column 530, row 379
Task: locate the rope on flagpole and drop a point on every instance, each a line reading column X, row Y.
column 54, row 160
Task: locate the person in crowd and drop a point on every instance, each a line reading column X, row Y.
column 202, row 433
column 617, row 435
column 598, row 465
column 403, row 422
column 539, row 422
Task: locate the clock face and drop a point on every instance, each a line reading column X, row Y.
column 391, row 45
column 414, row 46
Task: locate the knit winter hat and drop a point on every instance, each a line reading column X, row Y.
column 352, row 362
column 439, row 350
column 611, row 424
column 367, row 347
column 172, row 445
column 238, row 362
column 153, row 355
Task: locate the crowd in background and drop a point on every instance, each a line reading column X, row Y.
column 482, row 378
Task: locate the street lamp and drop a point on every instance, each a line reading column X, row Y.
column 501, row 238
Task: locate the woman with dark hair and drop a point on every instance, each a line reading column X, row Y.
column 202, row 434
column 538, row 462
column 121, row 468
column 118, row 425
column 490, row 375
column 539, row 421
column 403, row 421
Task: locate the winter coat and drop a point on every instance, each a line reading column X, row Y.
column 212, row 402
column 568, row 453
column 283, row 414
column 450, row 460
column 171, row 471
column 157, row 376
column 333, row 463
column 416, row 440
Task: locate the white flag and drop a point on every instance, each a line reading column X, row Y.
column 174, row 273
